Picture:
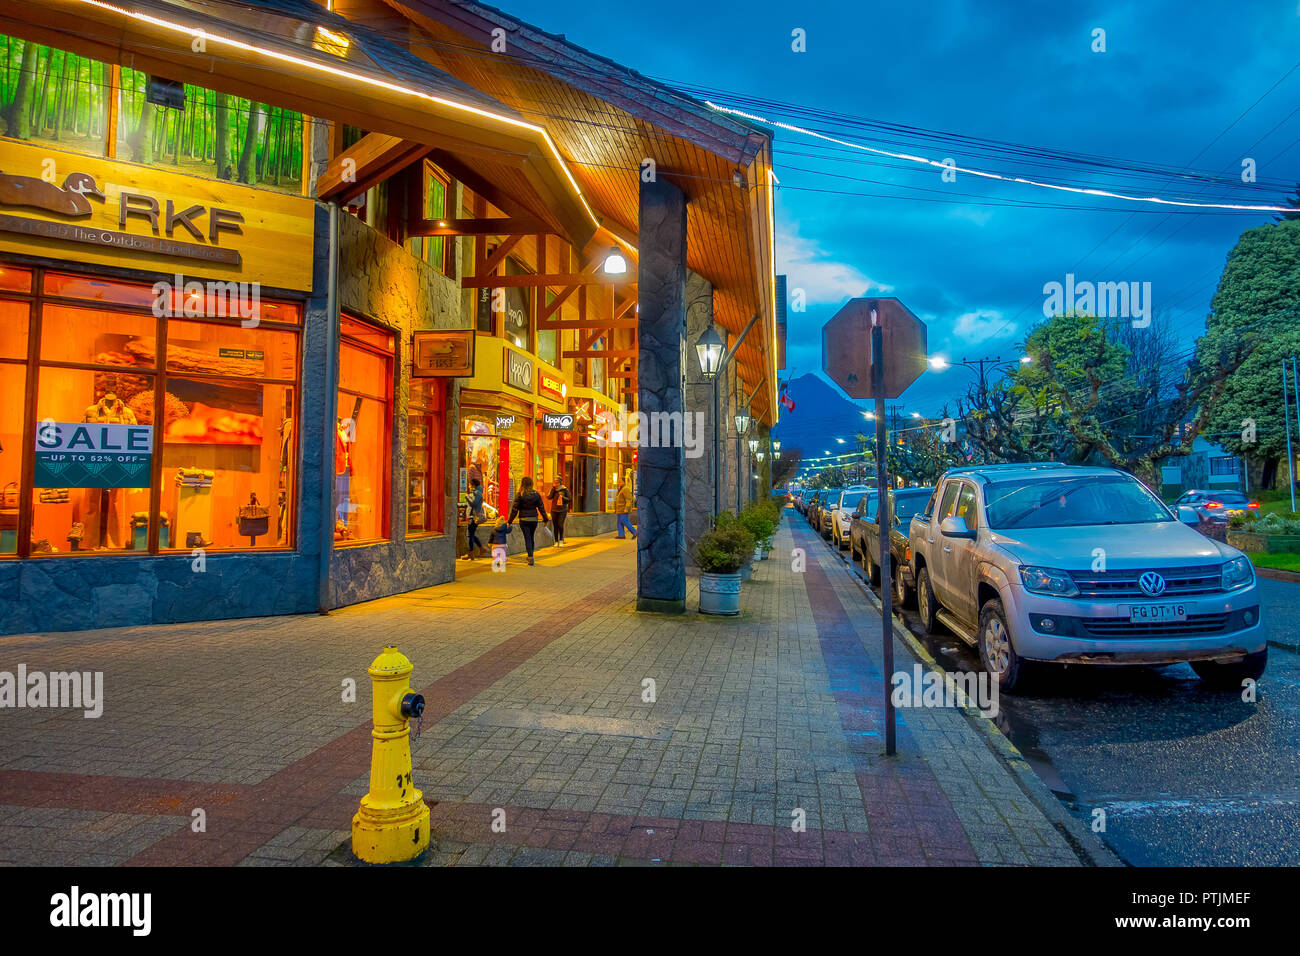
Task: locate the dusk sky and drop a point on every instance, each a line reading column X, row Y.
column 1173, row 77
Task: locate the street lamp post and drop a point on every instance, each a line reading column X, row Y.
column 978, row 366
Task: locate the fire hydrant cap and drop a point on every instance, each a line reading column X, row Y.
column 391, row 663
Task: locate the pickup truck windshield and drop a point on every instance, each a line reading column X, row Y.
column 1071, row 501
column 906, row 505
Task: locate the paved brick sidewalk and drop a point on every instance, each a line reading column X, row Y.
column 534, row 681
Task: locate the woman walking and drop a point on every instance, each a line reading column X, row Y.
column 560, row 499
column 476, row 517
column 528, row 507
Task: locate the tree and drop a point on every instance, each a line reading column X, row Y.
column 221, row 148
column 1294, row 203
column 923, row 455
column 1258, row 297
column 247, row 172
column 18, row 121
column 1124, row 408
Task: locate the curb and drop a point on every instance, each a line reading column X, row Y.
column 1088, row 847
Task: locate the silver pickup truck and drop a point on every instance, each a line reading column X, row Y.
column 1081, row 565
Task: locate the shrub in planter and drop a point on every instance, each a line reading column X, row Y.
column 720, row 554
column 758, row 521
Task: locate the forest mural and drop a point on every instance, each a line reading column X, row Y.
column 51, row 96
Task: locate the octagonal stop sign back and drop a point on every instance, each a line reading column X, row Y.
column 846, row 347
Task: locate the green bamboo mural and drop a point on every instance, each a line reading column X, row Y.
column 52, row 96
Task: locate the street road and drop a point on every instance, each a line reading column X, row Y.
column 1186, row 776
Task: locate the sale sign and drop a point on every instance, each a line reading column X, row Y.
column 90, row 455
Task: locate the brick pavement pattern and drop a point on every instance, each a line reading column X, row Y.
column 540, row 745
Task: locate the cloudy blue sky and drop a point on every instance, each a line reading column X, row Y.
column 1174, row 76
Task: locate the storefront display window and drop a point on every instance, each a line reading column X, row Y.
column 218, row 472
column 54, row 97
column 424, row 459
column 496, row 447
column 361, row 450
column 216, row 135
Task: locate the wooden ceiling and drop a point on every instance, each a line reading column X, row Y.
column 606, row 120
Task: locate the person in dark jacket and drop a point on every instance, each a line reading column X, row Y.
column 476, row 517
column 560, row 499
column 528, row 506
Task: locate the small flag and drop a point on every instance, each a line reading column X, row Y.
column 787, row 402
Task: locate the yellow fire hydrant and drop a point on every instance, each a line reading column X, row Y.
column 392, row 824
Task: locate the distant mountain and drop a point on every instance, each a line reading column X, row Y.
column 821, row 414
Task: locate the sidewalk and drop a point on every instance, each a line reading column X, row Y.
column 534, row 682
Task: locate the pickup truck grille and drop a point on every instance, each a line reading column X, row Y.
column 1204, row 579
column 1119, row 627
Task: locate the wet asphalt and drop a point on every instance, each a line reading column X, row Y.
column 1185, row 776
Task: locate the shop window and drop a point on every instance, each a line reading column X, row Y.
column 210, row 422
column 425, row 429
column 13, row 386
column 433, row 249
column 361, row 449
column 216, row 134
column 517, row 305
column 14, row 323
column 55, row 98
column 15, row 280
column 548, row 349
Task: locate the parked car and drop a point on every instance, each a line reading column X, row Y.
column 815, row 513
column 830, row 507
column 1217, row 507
column 864, row 540
column 840, row 512
column 1081, row 565
column 798, row 500
column 810, row 511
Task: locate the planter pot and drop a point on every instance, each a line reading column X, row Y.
column 719, row 593
column 746, row 572
column 758, row 553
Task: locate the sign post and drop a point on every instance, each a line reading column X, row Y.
column 876, row 348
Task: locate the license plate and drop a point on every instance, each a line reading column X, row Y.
column 1148, row 613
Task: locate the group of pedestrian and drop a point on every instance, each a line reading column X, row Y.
column 528, row 507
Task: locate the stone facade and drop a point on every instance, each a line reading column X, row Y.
column 380, row 281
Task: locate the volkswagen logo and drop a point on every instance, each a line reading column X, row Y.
column 1152, row 584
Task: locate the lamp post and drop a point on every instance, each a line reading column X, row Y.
column 742, row 426
column 710, row 349
column 938, row 363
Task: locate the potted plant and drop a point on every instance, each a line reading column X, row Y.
column 720, row 554
column 757, row 521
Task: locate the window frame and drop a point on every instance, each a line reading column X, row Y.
column 389, row 399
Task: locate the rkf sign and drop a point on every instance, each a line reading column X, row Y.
column 846, row 347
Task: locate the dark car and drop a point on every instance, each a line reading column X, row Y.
column 864, row 540
column 1216, row 507
column 816, row 512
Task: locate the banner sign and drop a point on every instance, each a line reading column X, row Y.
column 442, row 353
column 91, row 455
column 518, row 371
column 553, row 422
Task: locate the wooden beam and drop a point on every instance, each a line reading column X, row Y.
column 587, row 323
column 371, row 160
column 623, row 308
column 491, row 262
column 596, row 353
column 532, row 281
column 513, row 226
column 458, row 170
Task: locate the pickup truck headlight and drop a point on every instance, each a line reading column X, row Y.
column 1048, row 581
column 1238, row 573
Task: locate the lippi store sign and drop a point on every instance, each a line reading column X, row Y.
column 110, row 213
column 518, row 371
column 88, row 455
column 557, row 422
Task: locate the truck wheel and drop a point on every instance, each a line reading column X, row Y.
column 997, row 653
column 926, row 605
column 902, row 593
column 873, row 572
column 1229, row 676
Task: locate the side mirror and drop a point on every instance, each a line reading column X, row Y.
column 1189, row 516
column 954, row 527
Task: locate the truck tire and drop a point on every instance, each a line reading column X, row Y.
column 1229, row 676
column 873, row 572
column 926, row 605
column 997, row 653
column 902, row 593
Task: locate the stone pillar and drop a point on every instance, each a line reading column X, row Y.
column 661, row 340
column 701, row 468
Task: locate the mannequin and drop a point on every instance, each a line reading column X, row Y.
column 103, row 505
